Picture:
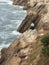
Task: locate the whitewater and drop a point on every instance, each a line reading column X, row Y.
column 11, row 17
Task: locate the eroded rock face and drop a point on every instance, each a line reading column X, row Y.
column 15, row 60
column 25, row 50
column 29, row 2
column 44, row 21
column 20, row 2
column 30, row 35
column 20, row 49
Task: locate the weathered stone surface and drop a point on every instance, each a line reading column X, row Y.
column 30, row 35
column 46, row 26
column 3, row 55
column 24, row 52
column 44, row 21
column 20, row 2
column 27, row 49
column 34, row 16
column 29, row 2
column 14, row 61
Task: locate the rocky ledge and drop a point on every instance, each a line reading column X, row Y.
column 29, row 3
column 26, row 50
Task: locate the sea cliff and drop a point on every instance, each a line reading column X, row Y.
column 27, row 50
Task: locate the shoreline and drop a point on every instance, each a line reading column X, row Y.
column 27, row 49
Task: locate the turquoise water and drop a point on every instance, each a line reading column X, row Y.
column 10, row 18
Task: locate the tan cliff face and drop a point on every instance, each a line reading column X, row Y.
column 44, row 21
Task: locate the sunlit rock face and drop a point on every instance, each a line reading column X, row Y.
column 29, row 2
column 20, row 48
column 44, row 21
column 33, row 2
column 30, row 35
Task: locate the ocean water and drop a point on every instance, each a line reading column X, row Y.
column 11, row 17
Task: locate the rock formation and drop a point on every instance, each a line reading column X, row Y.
column 20, row 2
column 34, row 16
column 27, row 49
column 24, row 51
column 28, row 2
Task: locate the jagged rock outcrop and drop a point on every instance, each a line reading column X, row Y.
column 28, row 2
column 44, row 21
column 36, row 11
column 34, row 16
column 39, row 15
column 20, row 2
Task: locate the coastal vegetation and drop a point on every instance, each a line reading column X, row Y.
column 45, row 42
column 45, row 50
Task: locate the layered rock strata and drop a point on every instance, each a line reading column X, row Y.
column 34, row 16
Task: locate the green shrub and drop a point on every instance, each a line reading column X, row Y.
column 45, row 50
column 45, row 40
